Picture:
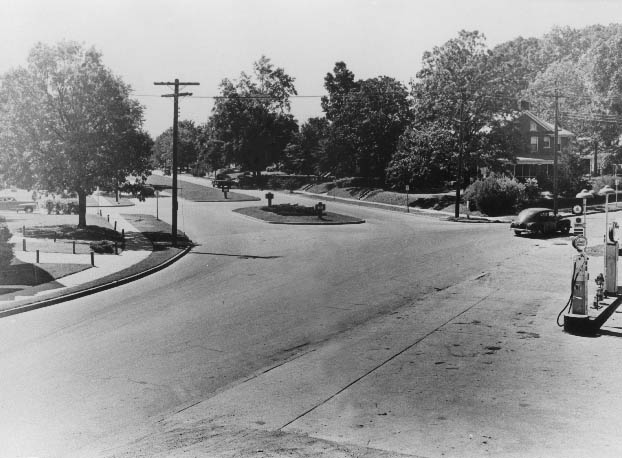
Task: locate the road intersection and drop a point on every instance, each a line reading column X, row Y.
column 404, row 335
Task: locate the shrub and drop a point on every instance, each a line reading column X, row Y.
column 496, row 195
column 359, row 182
column 6, row 248
column 604, row 180
column 532, row 189
column 102, row 247
column 290, row 210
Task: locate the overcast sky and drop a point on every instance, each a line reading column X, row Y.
column 207, row 40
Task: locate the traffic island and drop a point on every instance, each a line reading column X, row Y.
column 298, row 214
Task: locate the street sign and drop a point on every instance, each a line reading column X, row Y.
column 407, row 188
column 577, row 209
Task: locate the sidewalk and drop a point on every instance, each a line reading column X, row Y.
column 109, row 270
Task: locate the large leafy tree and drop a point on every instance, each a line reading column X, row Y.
column 421, row 156
column 306, row 153
column 188, row 146
column 588, row 85
column 252, row 116
column 462, row 90
column 68, row 123
column 367, row 118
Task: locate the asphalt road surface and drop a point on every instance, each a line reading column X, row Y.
column 249, row 296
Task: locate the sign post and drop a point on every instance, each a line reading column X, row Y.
column 407, row 206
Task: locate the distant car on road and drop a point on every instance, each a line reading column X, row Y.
column 11, row 203
column 539, row 221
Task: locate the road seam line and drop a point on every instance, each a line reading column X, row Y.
column 383, row 363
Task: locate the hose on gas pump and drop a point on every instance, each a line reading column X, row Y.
column 575, row 275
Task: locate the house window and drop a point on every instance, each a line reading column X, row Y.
column 533, row 127
column 546, row 143
column 534, row 144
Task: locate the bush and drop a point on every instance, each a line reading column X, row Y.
column 604, row 180
column 532, row 189
column 289, row 182
column 496, row 195
column 290, row 210
column 6, row 248
column 102, row 247
column 359, row 182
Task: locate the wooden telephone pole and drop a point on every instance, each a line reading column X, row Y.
column 175, row 96
column 555, row 141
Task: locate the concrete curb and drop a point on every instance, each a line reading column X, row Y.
column 94, row 289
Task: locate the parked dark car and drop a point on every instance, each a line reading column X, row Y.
column 539, row 221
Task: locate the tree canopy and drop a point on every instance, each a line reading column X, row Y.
column 366, row 118
column 68, row 123
column 251, row 116
column 459, row 93
column 188, row 146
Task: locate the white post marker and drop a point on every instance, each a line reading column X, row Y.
column 157, row 193
column 407, row 207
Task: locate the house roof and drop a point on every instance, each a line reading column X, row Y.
column 548, row 126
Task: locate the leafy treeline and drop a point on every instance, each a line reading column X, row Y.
column 68, row 123
column 460, row 104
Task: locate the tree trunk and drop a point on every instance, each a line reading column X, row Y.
column 81, row 209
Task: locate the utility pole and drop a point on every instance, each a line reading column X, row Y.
column 556, row 136
column 460, row 154
column 175, row 96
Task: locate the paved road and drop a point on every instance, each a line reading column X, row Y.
column 248, row 297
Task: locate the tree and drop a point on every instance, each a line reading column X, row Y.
column 461, row 88
column 367, row 118
column 188, row 146
column 588, row 91
column 68, row 123
column 421, row 156
column 252, row 116
column 306, row 153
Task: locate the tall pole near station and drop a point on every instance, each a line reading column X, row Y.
column 175, row 96
column 555, row 140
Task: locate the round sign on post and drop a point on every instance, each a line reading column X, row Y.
column 577, row 209
column 579, row 243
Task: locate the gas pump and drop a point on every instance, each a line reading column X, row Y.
column 611, row 261
column 578, row 318
column 580, row 276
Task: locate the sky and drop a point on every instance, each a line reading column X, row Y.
column 205, row 41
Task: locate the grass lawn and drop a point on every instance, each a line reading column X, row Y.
column 55, row 237
column 296, row 214
column 200, row 193
column 20, row 278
